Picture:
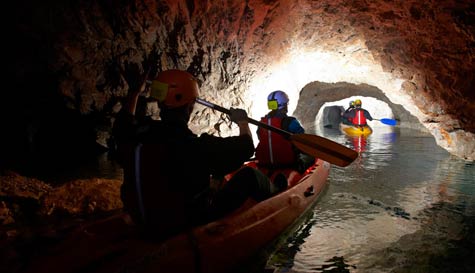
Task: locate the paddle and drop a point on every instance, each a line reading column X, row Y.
column 313, row 145
column 387, row 121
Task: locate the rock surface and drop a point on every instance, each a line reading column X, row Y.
column 35, row 215
column 26, row 201
column 84, row 57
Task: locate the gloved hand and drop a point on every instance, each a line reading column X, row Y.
column 236, row 115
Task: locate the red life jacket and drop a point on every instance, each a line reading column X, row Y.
column 273, row 149
column 359, row 118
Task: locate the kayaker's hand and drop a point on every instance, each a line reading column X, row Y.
column 134, row 95
column 144, row 82
column 237, row 115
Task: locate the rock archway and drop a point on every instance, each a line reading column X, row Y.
column 314, row 95
column 82, row 57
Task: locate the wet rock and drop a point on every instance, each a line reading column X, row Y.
column 84, row 196
column 332, row 116
column 20, row 197
column 34, row 215
column 15, row 186
column 25, row 200
column 6, row 216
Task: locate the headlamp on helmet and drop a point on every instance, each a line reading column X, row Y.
column 174, row 88
column 277, row 100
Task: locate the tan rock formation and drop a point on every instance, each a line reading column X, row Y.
column 419, row 54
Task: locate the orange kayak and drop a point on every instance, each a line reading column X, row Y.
column 114, row 244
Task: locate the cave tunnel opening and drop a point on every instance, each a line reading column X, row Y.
column 329, row 115
column 312, row 78
column 297, row 72
column 316, row 96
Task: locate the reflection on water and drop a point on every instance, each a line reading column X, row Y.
column 405, row 205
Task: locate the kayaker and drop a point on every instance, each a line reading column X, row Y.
column 358, row 116
column 175, row 194
column 273, row 150
column 350, row 108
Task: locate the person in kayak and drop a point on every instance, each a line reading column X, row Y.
column 358, row 116
column 167, row 168
column 273, row 150
column 350, row 108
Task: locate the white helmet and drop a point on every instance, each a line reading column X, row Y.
column 277, row 100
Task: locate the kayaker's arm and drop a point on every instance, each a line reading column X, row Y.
column 244, row 128
column 295, row 127
column 367, row 115
column 239, row 116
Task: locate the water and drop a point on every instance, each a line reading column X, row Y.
column 405, row 205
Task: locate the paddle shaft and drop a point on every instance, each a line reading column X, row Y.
column 250, row 120
column 313, row 145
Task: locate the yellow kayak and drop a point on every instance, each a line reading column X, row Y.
column 356, row 130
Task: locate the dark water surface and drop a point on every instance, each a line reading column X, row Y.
column 405, row 205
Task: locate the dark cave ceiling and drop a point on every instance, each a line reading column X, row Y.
column 85, row 55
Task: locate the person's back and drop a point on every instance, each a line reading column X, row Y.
column 358, row 115
column 344, row 115
column 273, row 150
column 175, row 168
column 167, row 167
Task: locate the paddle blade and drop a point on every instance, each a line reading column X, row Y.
column 388, row 121
column 324, row 149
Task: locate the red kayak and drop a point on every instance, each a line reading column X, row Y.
column 114, row 244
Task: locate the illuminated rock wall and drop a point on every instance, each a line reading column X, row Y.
column 83, row 56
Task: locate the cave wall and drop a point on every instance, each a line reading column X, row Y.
column 81, row 57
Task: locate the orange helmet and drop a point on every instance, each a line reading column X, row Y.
column 174, row 88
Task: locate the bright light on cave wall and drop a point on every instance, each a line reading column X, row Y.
column 301, row 66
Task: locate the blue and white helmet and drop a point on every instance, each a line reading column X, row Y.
column 277, row 100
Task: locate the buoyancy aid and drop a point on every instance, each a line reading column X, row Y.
column 273, row 149
column 359, row 118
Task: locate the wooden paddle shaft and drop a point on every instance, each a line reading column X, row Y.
column 250, row 120
column 316, row 146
